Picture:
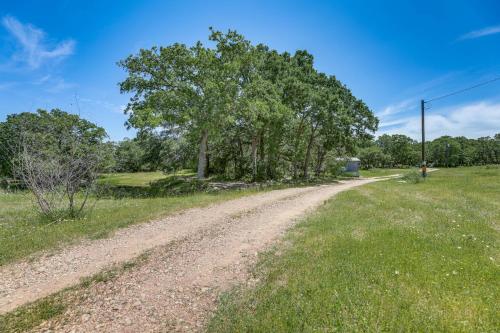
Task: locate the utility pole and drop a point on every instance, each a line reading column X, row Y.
column 424, row 166
column 422, row 107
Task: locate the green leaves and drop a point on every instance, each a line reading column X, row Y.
column 261, row 109
column 52, row 132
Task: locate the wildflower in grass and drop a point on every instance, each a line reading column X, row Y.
column 396, row 272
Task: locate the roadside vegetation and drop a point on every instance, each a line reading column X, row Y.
column 388, row 256
column 26, row 317
column 121, row 200
column 127, row 201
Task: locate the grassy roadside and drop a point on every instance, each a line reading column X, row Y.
column 29, row 316
column 22, row 233
column 388, row 256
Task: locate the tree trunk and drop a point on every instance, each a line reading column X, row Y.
column 308, row 154
column 255, row 142
column 207, row 166
column 202, row 156
column 71, row 204
column 319, row 162
column 262, row 152
column 240, row 159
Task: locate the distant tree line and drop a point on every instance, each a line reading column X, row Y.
column 401, row 151
column 55, row 132
column 162, row 151
column 151, row 151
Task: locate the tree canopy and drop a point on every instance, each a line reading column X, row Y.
column 52, row 132
column 253, row 112
column 238, row 111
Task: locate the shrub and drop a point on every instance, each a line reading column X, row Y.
column 413, row 177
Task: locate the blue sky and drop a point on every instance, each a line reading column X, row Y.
column 391, row 53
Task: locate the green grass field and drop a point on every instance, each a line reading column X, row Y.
column 389, row 256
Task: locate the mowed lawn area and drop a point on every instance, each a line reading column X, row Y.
column 389, row 256
column 23, row 232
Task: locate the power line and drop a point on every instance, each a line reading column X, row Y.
column 423, row 108
column 463, row 90
column 77, row 104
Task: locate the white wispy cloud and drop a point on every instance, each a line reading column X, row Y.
column 481, row 33
column 102, row 105
column 471, row 120
column 42, row 79
column 7, row 85
column 393, row 111
column 396, row 108
column 56, row 85
column 35, row 49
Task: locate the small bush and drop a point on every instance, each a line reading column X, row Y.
column 413, row 177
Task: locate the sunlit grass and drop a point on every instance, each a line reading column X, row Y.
column 138, row 178
column 388, row 256
column 23, row 231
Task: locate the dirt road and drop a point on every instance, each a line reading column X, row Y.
column 195, row 255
